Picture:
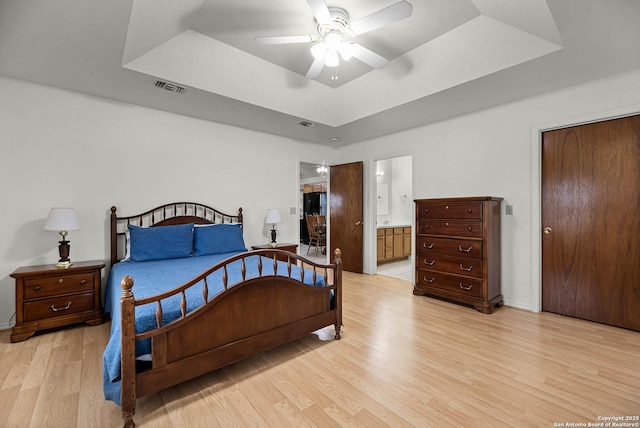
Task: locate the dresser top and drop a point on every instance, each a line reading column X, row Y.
column 48, row 269
column 461, row 199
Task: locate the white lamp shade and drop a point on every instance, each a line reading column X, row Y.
column 61, row 219
column 273, row 216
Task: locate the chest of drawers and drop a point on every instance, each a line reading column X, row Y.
column 458, row 250
column 49, row 297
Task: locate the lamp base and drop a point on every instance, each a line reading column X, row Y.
column 274, row 244
column 64, row 265
column 63, row 249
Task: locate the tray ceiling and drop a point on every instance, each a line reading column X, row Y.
column 450, row 57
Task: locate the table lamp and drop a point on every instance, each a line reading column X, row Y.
column 273, row 217
column 62, row 220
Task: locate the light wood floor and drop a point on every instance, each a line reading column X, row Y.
column 403, row 361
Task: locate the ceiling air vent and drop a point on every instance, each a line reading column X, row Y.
column 307, row 124
column 171, row 87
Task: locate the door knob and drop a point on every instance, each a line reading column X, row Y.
column 547, row 230
column 358, row 223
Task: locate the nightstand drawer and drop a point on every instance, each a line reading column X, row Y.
column 56, row 285
column 58, row 306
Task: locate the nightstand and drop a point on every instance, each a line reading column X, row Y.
column 49, row 297
column 292, row 248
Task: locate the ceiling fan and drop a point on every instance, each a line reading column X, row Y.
column 334, row 30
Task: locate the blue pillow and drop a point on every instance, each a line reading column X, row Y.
column 218, row 239
column 161, row 242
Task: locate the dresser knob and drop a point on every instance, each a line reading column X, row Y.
column 469, row 210
column 426, row 211
column 61, row 280
column 469, row 228
column 83, row 282
column 37, row 287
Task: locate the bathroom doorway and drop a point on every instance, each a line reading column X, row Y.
column 394, row 217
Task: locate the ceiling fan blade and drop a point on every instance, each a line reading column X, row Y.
column 320, row 11
column 315, row 69
column 386, row 16
column 367, row 56
column 281, row 40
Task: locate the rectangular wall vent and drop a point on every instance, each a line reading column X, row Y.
column 171, row 87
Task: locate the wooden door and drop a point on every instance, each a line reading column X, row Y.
column 591, row 222
column 345, row 207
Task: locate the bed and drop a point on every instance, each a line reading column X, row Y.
column 186, row 298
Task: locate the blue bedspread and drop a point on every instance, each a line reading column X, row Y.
column 154, row 277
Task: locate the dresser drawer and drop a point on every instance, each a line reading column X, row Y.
column 55, row 285
column 450, row 227
column 464, row 210
column 466, row 286
column 58, row 306
column 449, row 247
column 455, row 265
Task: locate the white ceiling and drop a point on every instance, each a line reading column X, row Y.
column 449, row 58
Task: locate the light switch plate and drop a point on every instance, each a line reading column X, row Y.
column 508, row 209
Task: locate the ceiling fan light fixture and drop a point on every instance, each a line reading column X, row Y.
column 332, row 59
column 319, row 50
column 346, row 50
column 333, row 41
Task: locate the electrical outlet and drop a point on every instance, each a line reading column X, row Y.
column 508, row 209
column 293, row 210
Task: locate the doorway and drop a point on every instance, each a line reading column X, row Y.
column 394, row 217
column 313, row 201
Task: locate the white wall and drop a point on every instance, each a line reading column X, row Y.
column 59, row 148
column 62, row 148
column 495, row 152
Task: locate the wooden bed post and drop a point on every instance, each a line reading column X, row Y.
column 338, row 296
column 114, row 236
column 127, row 361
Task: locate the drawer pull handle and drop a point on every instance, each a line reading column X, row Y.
column 54, row 309
column 61, row 280
column 426, row 226
column 466, row 269
column 430, row 280
column 430, row 263
column 424, row 244
column 464, row 250
column 83, row 282
column 466, row 288
column 37, row 287
column 469, row 210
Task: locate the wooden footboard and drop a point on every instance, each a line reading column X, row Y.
column 246, row 318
